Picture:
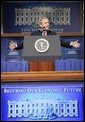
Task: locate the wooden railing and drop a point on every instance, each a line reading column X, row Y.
column 42, row 76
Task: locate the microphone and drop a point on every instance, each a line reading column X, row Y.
column 43, row 29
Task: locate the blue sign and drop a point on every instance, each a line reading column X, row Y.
column 42, row 101
column 73, row 53
column 23, row 16
column 6, row 53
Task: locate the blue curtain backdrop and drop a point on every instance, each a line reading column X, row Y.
column 9, row 15
column 60, row 65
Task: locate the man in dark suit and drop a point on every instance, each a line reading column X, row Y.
column 44, row 31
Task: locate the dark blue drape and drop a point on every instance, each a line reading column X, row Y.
column 17, row 66
column 60, row 65
column 70, row 64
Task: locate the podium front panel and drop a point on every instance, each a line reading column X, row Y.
column 42, row 48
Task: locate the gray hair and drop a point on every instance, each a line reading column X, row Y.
column 40, row 19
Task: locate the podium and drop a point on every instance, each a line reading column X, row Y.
column 41, row 65
column 41, row 52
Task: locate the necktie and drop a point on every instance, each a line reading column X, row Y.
column 44, row 33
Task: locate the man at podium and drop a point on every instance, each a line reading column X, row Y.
column 44, row 31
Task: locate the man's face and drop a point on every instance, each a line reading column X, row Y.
column 45, row 24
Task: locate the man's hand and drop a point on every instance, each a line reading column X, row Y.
column 75, row 44
column 12, row 45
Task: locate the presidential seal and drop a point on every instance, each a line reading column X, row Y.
column 41, row 45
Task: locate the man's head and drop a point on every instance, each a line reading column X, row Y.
column 44, row 23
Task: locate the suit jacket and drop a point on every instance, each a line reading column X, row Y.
column 63, row 43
